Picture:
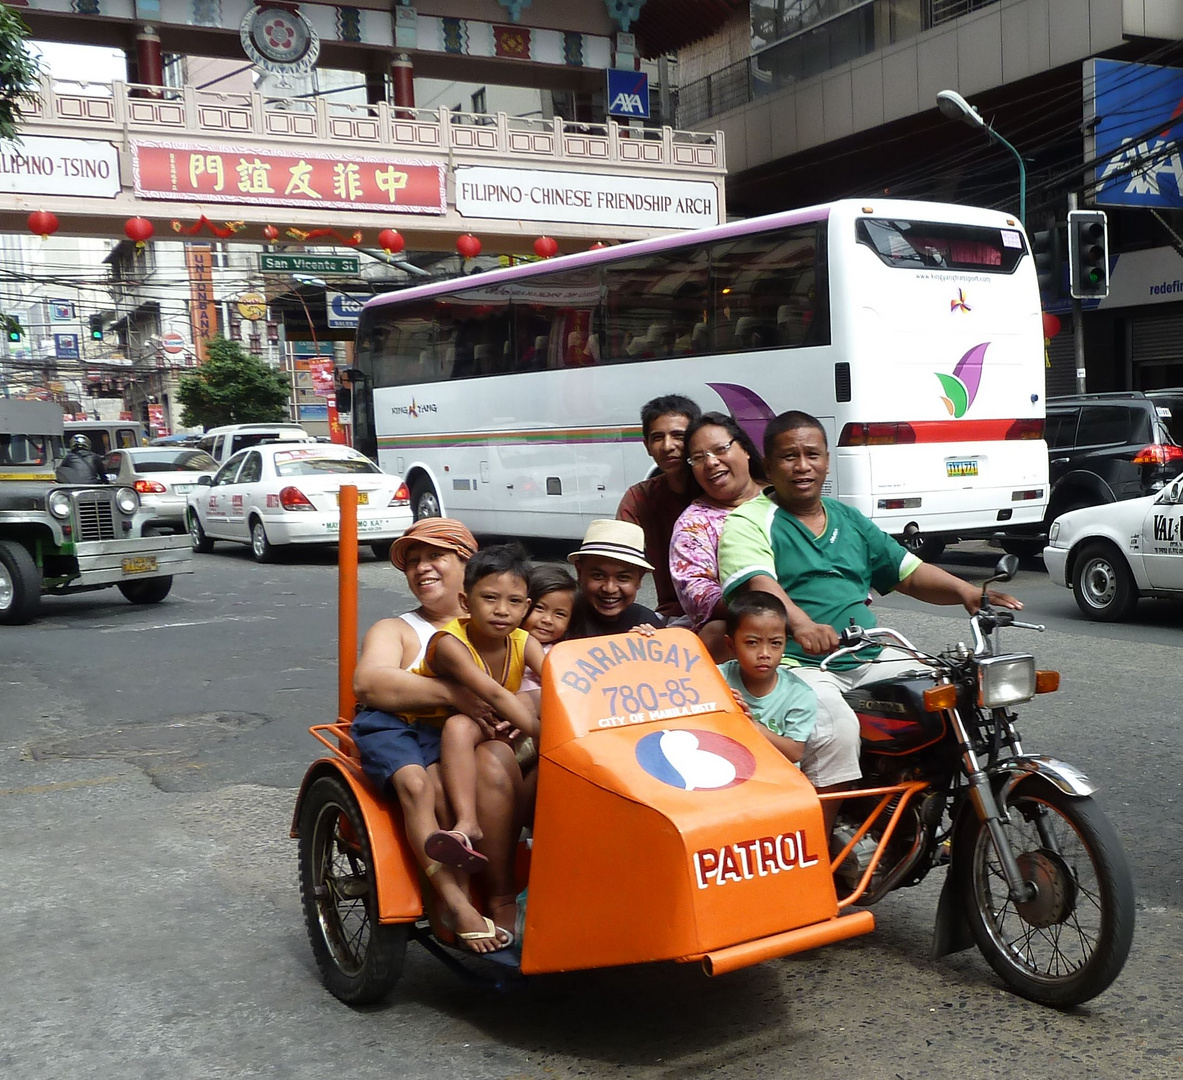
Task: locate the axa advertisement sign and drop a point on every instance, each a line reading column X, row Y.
column 628, row 94
column 1136, row 115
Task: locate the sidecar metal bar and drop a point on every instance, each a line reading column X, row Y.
column 342, row 747
column 346, row 599
column 904, row 792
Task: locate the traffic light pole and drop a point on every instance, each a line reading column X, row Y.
column 1077, row 323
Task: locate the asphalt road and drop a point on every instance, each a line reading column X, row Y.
column 148, row 761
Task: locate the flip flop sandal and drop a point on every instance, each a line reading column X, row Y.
column 454, row 849
column 491, row 932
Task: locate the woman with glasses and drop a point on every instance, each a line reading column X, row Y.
column 726, row 471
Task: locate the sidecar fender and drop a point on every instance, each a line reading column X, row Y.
column 400, row 898
column 1062, row 776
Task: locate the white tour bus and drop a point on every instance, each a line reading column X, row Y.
column 912, row 330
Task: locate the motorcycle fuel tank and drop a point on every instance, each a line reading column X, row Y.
column 892, row 718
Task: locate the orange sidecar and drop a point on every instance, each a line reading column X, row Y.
column 666, row 828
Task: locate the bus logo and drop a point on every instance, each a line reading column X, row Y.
column 962, row 386
column 959, row 304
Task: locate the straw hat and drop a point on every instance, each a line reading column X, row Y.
column 619, row 540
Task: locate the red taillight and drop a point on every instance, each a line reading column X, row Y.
column 876, row 435
column 1026, row 429
column 402, row 497
column 149, row 487
column 1158, row 454
column 292, row 498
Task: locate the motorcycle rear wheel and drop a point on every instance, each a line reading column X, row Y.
column 1070, row 942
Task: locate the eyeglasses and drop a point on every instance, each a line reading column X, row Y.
column 694, row 460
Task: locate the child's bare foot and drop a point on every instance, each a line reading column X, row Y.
column 477, row 933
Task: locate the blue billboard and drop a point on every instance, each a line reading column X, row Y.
column 65, row 347
column 1136, row 120
column 628, row 94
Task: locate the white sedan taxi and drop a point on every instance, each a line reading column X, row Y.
column 278, row 494
column 1112, row 555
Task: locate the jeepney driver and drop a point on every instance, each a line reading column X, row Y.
column 432, row 554
column 821, row 557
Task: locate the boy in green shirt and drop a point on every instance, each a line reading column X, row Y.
column 782, row 705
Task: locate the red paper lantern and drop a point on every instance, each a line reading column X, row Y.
column 43, row 223
column 468, row 246
column 138, row 229
column 1051, row 325
column 597, row 245
column 545, row 247
column 271, row 233
column 391, row 241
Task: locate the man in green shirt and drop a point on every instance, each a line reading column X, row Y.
column 821, row 558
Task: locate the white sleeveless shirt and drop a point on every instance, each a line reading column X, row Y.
column 423, row 631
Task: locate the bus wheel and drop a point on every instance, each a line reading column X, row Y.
column 425, row 502
column 923, row 546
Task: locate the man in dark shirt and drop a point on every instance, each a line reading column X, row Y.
column 655, row 504
column 81, row 465
column 610, row 565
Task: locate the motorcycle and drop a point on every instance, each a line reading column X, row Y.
column 1037, row 876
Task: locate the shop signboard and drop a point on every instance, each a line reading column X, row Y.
column 1135, row 115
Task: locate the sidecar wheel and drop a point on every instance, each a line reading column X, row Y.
column 359, row 959
column 1066, row 945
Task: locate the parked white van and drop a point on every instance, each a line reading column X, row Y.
column 221, row 443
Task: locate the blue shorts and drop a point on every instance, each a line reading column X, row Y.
column 387, row 743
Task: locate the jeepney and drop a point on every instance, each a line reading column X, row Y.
column 66, row 538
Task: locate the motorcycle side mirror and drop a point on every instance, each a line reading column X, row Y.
column 1004, row 570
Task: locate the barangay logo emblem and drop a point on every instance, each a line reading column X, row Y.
column 962, row 386
column 690, row 759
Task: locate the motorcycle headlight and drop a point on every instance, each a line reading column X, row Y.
column 59, row 504
column 1005, row 680
column 1053, row 532
column 127, row 500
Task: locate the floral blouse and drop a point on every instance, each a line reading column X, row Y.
column 694, row 560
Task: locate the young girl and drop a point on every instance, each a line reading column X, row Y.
column 552, row 601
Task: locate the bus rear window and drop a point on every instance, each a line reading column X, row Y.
column 933, row 245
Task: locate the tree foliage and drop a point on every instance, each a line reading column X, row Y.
column 232, row 387
column 19, row 71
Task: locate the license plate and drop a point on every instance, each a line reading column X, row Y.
column 139, row 564
column 183, row 489
column 363, row 498
column 961, row 468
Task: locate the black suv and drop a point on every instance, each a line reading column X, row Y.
column 1104, row 448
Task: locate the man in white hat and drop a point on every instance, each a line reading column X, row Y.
column 610, row 565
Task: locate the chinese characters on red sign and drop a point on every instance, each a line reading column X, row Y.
column 206, row 173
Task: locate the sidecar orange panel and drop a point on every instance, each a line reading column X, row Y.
column 667, row 827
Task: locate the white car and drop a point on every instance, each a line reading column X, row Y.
column 163, row 476
column 278, row 494
column 1111, row 555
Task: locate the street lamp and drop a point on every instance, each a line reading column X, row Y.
column 954, row 107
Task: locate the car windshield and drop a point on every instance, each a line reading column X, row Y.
column 302, row 465
column 174, row 461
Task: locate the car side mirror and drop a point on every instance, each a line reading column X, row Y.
column 204, row 480
column 1173, row 494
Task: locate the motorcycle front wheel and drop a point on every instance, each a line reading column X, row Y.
column 1070, row 941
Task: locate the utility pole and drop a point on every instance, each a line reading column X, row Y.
column 1077, row 323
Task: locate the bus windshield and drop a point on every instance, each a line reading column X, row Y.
column 915, row 244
